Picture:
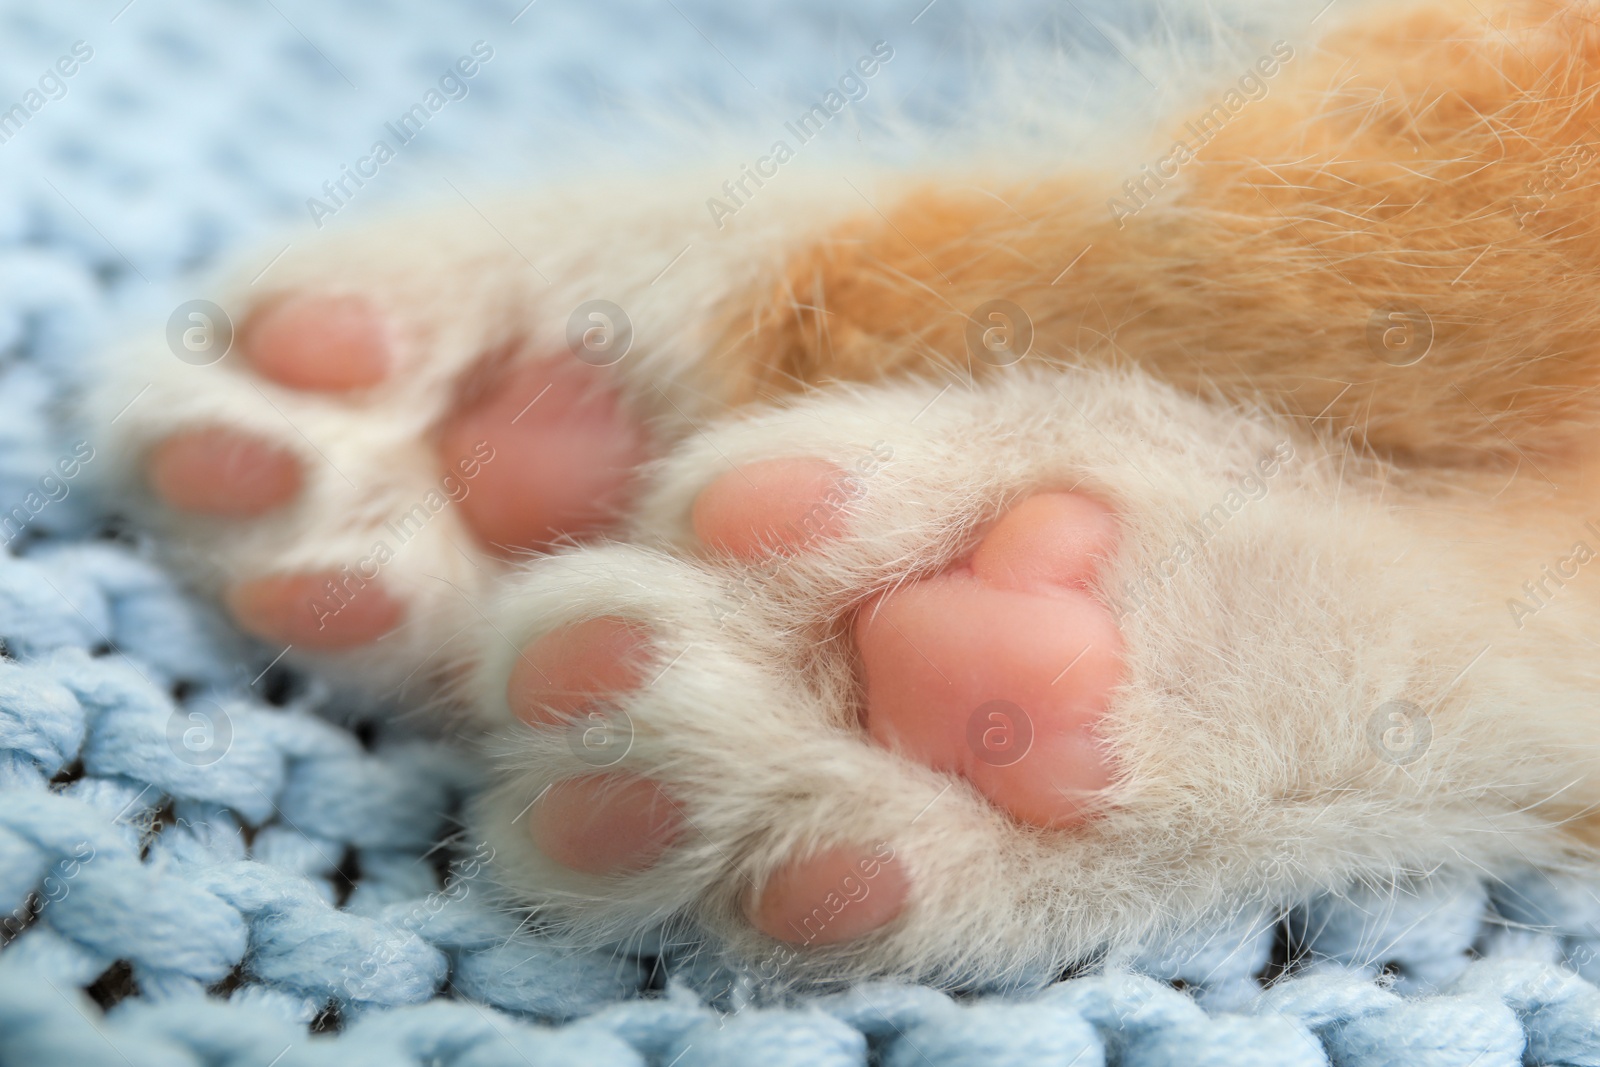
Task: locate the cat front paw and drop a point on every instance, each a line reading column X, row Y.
column 350, row 447
column 952, row 683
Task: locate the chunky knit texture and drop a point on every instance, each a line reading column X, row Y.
column 199, row 864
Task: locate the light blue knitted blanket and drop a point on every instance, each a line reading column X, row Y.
column 198, row 867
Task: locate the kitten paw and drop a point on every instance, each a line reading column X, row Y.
column 999, row 682
column 399, row 414
column 529, row 446
column 381, row 420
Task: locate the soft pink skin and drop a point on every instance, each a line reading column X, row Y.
column 281, row 608
column 1015, row 622
column 318, row 343
column 560, row 467
column 222, row 473
column 1016, row 625
column 834, row 895
column 567, row 670
column 606, row 823
column 763, row 508
column 611, row 823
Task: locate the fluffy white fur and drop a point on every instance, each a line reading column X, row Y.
column 1248, row 770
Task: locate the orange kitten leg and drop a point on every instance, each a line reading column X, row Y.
column 1399, row 239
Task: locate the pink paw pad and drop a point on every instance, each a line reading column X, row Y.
column 1000, row 669
column 556, row 452
column 838, row 894
column 612, row 822
column 602, row 824
column 773, row 506
column 318, row 343
column 325, row 612
column 222, row 473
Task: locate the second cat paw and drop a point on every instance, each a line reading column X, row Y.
column 942, row 684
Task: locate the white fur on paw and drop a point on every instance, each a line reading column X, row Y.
column 453, row 289
column 1277, row 617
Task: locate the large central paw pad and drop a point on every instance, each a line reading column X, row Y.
column 996, row 669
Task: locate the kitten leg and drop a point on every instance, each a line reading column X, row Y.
column 1394, row 234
